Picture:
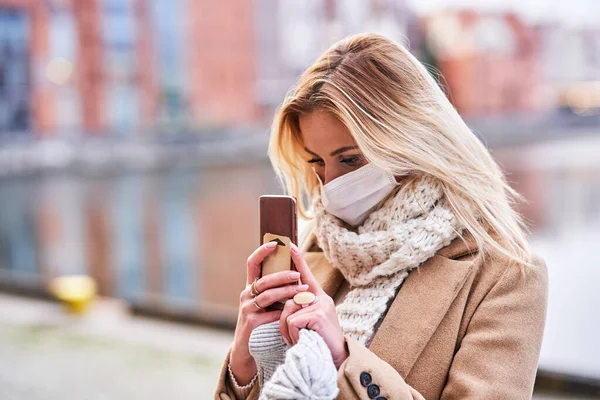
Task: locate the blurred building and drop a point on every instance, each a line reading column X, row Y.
column 79, row 58
column 126, row 66
column 490, row 62
column 501, row 64
column 292, row 34
column 570, row 66
column 102, row 66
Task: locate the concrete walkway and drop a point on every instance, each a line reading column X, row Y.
column 107, row 354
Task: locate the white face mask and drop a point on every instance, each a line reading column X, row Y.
column 353, row 196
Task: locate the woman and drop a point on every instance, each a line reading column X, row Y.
column 425, row 284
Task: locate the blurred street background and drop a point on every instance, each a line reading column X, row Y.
column 133, row 140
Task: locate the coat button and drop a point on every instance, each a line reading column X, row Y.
column 365, row 379
column 373, row 391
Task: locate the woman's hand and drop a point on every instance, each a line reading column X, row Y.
column 320, row 316
column 271, row 288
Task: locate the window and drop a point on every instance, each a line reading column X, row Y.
column 15, row 87
column 168, row 40
column 119, row 31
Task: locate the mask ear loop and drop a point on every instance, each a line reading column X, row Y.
column 320, row 189
column 318, row 179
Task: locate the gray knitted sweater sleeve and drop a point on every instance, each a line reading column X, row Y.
column 303, row 371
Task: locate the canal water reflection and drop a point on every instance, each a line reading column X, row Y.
column 174, row 240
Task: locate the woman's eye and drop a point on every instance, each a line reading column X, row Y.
column 318, row 161
column 352, row 160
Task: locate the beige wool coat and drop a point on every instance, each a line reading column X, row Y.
column 462, row 326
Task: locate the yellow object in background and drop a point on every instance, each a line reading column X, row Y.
column 76, row 292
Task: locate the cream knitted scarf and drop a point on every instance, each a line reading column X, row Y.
column 408, row 229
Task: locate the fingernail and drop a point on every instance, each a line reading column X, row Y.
column 270, row 245
column 294, row 275
column 302, row 288
column 294, row 248
column 286, row 341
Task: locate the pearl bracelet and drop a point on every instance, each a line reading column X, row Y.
column 237, row 386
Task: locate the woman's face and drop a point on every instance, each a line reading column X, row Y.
column 329, row 146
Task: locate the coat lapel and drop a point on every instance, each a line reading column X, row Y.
column 421, row 304
column 330, row 278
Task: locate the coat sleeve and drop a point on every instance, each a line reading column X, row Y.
column 497, row 357
column 225, row 389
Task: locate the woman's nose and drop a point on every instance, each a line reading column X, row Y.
column 330, row 175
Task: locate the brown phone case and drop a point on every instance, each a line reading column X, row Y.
column 278, row 222
column 277, row 215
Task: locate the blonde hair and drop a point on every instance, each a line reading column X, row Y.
column 403, row 122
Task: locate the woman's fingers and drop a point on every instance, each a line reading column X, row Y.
column 290, row 308
column 271, row 296
column 255, row 260
column 297, row 322
column 319, row 316
column 305, row 272
column 291, row 312
column 276, row 279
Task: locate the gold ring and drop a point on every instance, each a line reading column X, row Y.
column 304, row 299
column 256, row 304
column 253, row 290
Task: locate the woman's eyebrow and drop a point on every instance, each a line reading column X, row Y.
column 311, row 152
column 342, row 149
column 333, row 153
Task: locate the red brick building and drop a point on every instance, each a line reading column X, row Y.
column 490, row 62
column 127, row 66
column 105, row 65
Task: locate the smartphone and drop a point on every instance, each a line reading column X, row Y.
column 278, row 220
